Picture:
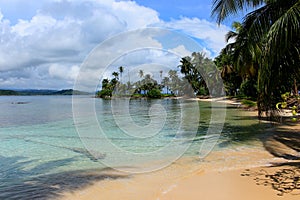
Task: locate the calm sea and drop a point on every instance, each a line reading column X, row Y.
column 43, row 151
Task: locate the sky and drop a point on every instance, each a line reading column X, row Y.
column 48, row 44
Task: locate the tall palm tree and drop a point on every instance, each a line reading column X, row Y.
column 274, row 29
column 166, row 82
column 121, row 70
column 160, row 75
column 242, row 51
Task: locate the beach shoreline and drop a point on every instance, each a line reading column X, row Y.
column 216, row 177
column 237, row 173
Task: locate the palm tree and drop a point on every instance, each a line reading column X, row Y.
column 231, row 78
column 160, row 75
column 242, row 51
column 116, row 75
column 121, row 70
column 274, row 29
column 166, row 82
column 193, row 70
column 105, row 84
column 221, row 9
column 141, row 73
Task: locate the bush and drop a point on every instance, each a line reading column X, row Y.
column 203, row 91
column 248, row 88
column 248, row 103
column 154, row 94
column 105, row 93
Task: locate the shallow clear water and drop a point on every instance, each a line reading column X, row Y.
column 40, row 147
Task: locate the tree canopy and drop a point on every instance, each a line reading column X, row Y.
column 266, row 45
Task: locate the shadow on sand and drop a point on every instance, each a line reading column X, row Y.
column 17, row 182
column 282, row 176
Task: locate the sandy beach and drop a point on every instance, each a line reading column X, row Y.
column 267, row 171
column 218, row 177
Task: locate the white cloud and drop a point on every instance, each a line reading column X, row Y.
column 136, row 16
column 64, row 32
column 37, row 25
column 47, row 48
column 212, row 35
column 181, row 50
column 63, row 72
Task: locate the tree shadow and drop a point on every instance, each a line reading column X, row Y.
column 284, row 175
column 284, row 142
column 17, row 182
column 282, row 180
column 241, row 133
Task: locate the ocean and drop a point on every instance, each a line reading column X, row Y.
column 50, row 143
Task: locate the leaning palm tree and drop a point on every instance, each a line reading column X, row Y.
column 141, row 73
column 241, row 51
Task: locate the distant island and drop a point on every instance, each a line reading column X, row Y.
column 32, row 92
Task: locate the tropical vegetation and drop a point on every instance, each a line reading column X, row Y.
column 196, row 75
column 260, row 62
column 264, row 55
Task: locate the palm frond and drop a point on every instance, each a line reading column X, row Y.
column 223, row 8
column 230, row 35
column 284, row 32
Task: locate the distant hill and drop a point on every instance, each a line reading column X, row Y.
column 8, row 92
column 32, row 92
column 35, row 92
column 69, row 92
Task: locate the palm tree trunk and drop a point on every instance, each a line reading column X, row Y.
column 295, row 87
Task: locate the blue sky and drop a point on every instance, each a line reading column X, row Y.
column 169, row 9
column 44, row 43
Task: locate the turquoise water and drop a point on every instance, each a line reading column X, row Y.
column 41, row 150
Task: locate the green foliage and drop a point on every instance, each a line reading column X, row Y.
column 200, row 72
column 154, row 94
column 145, row 85
column 203, row 91
column 249, row 88
column 267, row 44
column 168, row 95
column 289, row 102
column 231, row 78
column 135, row 95
column 105, row 93
column 248, row 103
column 108, row 86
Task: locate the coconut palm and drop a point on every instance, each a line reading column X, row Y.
column 121, row 70
column 116, row 75
column 160, row 75
column 244, row 54
column 222, row 9
column 141, row 73
column 272, row 31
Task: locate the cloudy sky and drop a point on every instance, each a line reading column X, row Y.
column 45, row 44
